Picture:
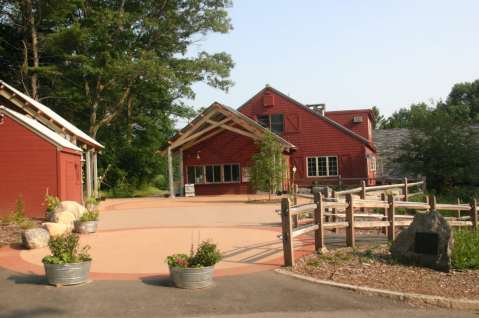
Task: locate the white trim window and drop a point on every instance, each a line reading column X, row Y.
column 372, row 164
column 322, row 166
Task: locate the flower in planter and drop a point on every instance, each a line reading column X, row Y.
column 206, row 254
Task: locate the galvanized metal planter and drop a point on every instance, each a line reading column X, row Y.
column 192, row 277
column 85, row 227
column 67, row 274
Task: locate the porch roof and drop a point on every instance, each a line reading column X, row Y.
column 214, row 120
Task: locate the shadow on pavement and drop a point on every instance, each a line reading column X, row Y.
column 28, row 279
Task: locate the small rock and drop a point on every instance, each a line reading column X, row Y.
column 35, row 238
column 57, row 229
column 63, row 218
column 70, row 206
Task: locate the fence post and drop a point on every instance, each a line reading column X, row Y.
column 350, row 239
column 326, row 195
column 287, row 232
column 457, row 212
column 391, row 212
column 425, row 199
column 295, row 197
column 474, row 213
column 318, row 219
column 295, row 202
column 334, row 211
column 363, row 193
column 406, row 190
column 385, row 212
column 432, row 202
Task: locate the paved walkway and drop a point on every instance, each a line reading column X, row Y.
column 130, row 279
column 136, row 235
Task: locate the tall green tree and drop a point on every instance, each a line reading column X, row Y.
column 268, row 169
column 442, row 148
column 464, row 98
column 120, row 70
column 379, row 118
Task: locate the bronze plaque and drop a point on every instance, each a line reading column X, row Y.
column 426, row 243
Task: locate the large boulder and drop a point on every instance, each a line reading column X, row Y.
column 35, row 238
column 70, row 206
column 57, row 229
column 63, row 218
column 428, row 242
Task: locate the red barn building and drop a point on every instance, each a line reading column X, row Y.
column 216, row 148
column 39, row 150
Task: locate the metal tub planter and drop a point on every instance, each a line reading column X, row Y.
column 192, row 277
column 67, row 274
column 85, row 227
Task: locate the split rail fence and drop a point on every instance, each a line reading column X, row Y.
column 388, row 220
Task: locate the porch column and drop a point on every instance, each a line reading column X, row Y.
column 95, row 173
column 170, row 173
column 88, row 174
column 182, row 177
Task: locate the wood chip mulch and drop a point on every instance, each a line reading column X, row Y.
column 12, row 233
column 374, row 267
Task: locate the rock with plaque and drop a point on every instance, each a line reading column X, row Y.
column 428, row 242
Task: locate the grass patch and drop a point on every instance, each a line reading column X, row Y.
column 147, row 192
column 465, row 254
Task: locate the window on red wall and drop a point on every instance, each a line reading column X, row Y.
column 194, row 174
column 231, row 173
column 322, row 166
column 213, row 173
column 274, row 122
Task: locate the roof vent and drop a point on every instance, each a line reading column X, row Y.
column 268, row 99
column 319, row 108
column 358, row 119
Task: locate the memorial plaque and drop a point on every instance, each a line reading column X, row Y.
column 426, row 243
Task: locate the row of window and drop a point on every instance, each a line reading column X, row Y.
column 316, row 166
column 213, row 173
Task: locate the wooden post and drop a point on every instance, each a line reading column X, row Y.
column 326, row 195
column 170, row 173
column 391, row 212
column 363, row 193
column 318, row 219
column 405, row 190
column 295, row 197
column 423, row 188
column 474, row 213
column 95, row 174
column 88, row 174
column 457, row 212
column 350, row 239
column 385, row 212
column 425, row 199
column 432, row 202
column 182, row 175
column 334, row 211
column 287, row 232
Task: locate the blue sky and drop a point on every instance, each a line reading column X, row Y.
column 347, row 54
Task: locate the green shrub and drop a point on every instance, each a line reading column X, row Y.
column 465, row 254
column 65, row 249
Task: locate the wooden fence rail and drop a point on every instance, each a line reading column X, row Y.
column 388, row 220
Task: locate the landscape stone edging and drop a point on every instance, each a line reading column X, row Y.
column 462, row 304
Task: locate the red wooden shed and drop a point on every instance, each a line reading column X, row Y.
column 32, row 160
column 38, row 150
